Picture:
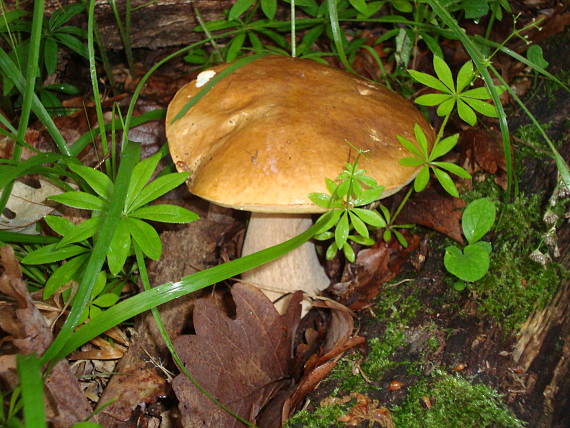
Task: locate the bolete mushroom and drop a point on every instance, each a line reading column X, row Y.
column 269, row 133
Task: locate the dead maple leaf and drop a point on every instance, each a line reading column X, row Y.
column 244, row 362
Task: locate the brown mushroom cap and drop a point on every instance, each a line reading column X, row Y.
column 269, row 133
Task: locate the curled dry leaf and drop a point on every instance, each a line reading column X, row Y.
column 244, row 362
column 26, row 205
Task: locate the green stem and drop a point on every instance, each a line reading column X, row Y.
column 404, row 201
column 293, row 32
column 441, row 128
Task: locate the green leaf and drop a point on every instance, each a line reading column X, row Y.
column 421, row 139
column 412, row 162
column 238, row 8
column 119, row 248
column 358, row 225
column 360, row 6
column 369, row 195
column 444, row 146
column 269, row 7
column 332, row 249
column 369, row 217
column 32, row 391
column 325, row 236
column 446, row 182
column 72, row 43
column 81, row 232
column 400, row 238
column 99, row 182
column 362, row 240
column 341, row 231
column 51, row 253
column 470, row 265
column 348, row 252
column 331, row 185
column 475, row 9
column 428, row 80
column 477, row 219
column 100, row 283
column 482, row 107
column 146, row 237
column 141, row 174
column 411, row 147
column 446, row 107
column 50, row 55
column 165, row 213
column 59, row 225
column 385, row 213
column 453, row 168
column 431, row 99
column 81, row 200
column 421, row 179
column 443, row 72
column 158, row 187
column 63, row 274
column 387, row 235
column 328, row 220
column 320, row 199
column 403, row 6
column 465, row 76
column 106, row 300
column 481, row 93
column 63, row 15
column 534, row 55
column 234, row 47
column 466, row 113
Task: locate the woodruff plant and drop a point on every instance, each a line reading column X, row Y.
column 353, row 190
column 132, row 228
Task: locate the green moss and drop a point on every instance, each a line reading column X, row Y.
column 321, row 417
column 396, row 309
column 455, row 403
column 516, row 285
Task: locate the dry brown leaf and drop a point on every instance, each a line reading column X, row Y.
column 339, row 338
column 243, row 361
column 437, row 210
column 374, row 266
column 30, row 334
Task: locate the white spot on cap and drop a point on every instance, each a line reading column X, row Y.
column 204, row 77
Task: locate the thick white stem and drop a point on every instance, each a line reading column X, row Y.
column 297, row 270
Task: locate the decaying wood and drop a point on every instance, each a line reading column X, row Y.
column 544, row 343
column 154, row 24
column 139, row 379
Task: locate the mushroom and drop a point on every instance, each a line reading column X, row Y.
column 268, row 134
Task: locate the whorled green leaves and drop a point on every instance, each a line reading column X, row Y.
column 452, row 94
column 352, row 190
column 427, row 160
column 132, row 226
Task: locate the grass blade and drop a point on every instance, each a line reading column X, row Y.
column 338, row 34
column 32, row 385
column 166, row 292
